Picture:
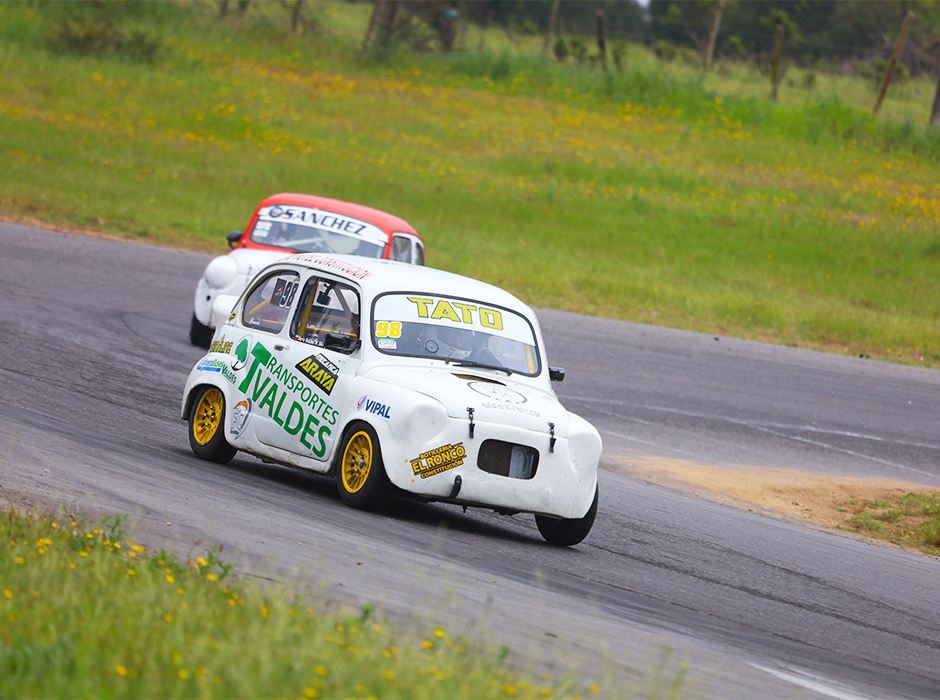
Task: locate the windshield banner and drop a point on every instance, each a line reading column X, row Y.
column 454, row 313
column 323, row 220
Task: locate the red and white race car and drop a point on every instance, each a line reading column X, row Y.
column 299, row 223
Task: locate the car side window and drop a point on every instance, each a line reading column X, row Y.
column 268, row 306
column 401, row 249
column 419, row 253
column 328, row 311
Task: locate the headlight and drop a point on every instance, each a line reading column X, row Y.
column 221, row 272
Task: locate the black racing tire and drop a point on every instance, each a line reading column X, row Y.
column 200, row 335
column 207, row 426
column 565, row 532
column 360, row 474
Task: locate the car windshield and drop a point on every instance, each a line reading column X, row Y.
column 309, row 230
column 462, row 331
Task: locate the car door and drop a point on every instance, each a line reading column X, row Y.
column 311, row 367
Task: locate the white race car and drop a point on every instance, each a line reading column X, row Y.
column 299, row 223
column 386, row 375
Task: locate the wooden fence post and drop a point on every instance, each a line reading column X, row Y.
column 935, row 110
column 371, row 26
column 775, row 62
column 295, row 15
column 713, row 36
column 898, row 47
column 601, row 40
column 550, row 29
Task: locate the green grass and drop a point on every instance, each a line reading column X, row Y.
column 86, row 612
column 654, row 195
column 911, row 521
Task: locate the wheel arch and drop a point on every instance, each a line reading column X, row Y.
column 347, row 430
column 190, row 397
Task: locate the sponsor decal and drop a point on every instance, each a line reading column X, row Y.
column 438, row 460
column 221, row 345
column 388, row 344
column 320, row 370
column 241, row 353
column 458, row 312
column 316, row 217
column 369, row 406
column 232, row 316
column 349, row 269
column 262, row 229
column 511, row 407
column 207, row 365
column 388, row 329
column 497, row 392
column 289, row 402
column 241, row 414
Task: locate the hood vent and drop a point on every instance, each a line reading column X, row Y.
column 475, row 378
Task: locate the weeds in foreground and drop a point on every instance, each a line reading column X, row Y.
column 86, row 612
column 909, row 521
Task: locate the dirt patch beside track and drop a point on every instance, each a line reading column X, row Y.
column 818, row 498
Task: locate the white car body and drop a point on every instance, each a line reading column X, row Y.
column 286, row 223
column 229, row 275
column 292, row 402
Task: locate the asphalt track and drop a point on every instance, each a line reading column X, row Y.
column 94, row 353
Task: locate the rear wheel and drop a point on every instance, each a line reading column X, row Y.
column 362, row 481
column 565, row 532
column 207, row 427
column 200, row 334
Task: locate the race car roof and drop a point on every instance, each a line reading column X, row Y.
column 376, row 276
column 388, row 222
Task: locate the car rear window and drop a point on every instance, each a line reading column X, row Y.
column 268, row 306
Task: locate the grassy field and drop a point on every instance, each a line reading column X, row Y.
column 652, row 195
column 87, row 612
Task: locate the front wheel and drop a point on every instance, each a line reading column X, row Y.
column 200, row 334
column 362, row 481
column 565, row 532
column 207, row 427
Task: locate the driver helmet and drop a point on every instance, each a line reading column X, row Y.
column 460, row 342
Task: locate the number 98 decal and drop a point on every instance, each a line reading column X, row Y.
column 388, row 329
column 284, row 291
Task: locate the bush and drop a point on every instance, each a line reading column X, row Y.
column 560, row 49
column 876, row 72
column 578, row 49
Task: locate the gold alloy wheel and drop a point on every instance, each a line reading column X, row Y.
column 357, row 461
column 208, row 416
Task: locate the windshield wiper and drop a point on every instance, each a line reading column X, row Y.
column 474, row 363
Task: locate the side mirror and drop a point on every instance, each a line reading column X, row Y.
column 341, row 343
column 232, row 238
column 556, row 374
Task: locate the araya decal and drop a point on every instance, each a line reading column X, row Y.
column 369, row 406
column 241, row 414
column 320, row 370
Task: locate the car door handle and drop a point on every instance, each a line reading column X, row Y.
column 278, row 346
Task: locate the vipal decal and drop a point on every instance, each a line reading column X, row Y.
column 375, row 407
